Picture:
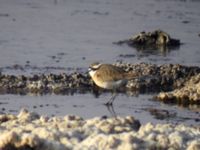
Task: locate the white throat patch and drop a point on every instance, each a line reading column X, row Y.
column 92, row 72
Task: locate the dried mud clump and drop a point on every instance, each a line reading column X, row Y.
column 188, row 94
column 52, row 83
column 150, row 78
column 29, row 131
column 157, row 39
column 155, row 78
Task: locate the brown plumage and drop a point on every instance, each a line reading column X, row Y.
column 108, row 76
column 112, row 73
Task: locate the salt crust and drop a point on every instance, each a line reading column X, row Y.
column 32, row 131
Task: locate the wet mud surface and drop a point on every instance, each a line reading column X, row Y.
column 63, row 38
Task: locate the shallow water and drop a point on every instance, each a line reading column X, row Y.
column 53, row 36
column 87, row 106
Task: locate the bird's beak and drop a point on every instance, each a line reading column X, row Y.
column 89, row 69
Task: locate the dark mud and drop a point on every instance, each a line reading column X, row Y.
column 154, row 40
column 151, row 78
column 189, row 93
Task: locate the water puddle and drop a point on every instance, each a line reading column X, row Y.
column 88, row 106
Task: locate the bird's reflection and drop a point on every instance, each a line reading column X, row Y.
column 111, row 110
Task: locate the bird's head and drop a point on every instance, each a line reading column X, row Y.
column 93, row 68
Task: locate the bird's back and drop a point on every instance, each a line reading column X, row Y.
column 109, row 72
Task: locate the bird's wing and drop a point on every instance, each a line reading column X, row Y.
column 110, row 73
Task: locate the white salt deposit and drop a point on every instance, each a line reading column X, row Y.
column 30, row 130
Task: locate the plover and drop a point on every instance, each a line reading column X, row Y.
column 109, row 77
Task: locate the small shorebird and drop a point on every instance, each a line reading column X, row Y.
column 109, row 77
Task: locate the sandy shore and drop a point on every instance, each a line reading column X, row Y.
column 28, row 130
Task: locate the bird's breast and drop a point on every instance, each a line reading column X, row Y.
column 111, row 84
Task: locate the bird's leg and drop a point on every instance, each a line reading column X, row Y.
column 111, row 110
column 110, row 102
